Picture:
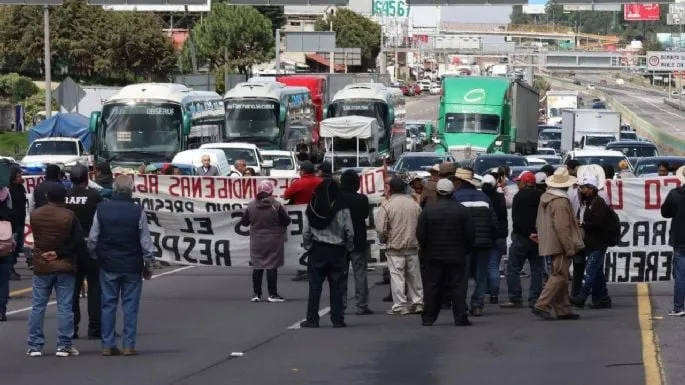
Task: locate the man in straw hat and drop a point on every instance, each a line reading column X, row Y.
column 674, row 208
column 558, row 237
column 485, row 225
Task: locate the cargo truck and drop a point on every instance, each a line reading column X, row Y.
column 557, row 101
column 487, row 114
column 589, row 129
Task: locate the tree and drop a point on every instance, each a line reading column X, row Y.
column 353, row 30
column 241, row 30
column 273, row 13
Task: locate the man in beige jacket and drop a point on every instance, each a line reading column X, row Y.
column 559, row 237
column 396, row 227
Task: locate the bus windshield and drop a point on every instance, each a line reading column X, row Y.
column 137, row 130
column 252, row 120
column 359, row 107
column 471, row 122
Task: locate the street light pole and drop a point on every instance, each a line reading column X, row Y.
column 48, row 67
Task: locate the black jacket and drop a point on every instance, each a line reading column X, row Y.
column 594, row 224
column 674, row 207
column 445, row 232
column 18, row 212
column 524, row 211
column 499, row 204
column 482, row 214
column 83, row 202
column 358, row 204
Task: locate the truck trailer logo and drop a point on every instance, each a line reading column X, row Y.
column 475, row 95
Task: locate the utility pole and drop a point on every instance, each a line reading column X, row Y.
column 331, row 59
column 278, row 52
column 48, row 67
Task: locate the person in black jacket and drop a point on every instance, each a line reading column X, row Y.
column 594, row 215
column 83, row 201
column 499, row 204
column 40, row 197
column 674, row 208
column 5, row 260
column 18, row 215
column 446, row 236
column 524, row 245
column 358, row 204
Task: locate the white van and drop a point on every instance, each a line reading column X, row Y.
column 249, row 152
column 194, row 157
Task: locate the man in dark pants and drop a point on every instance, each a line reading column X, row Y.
column 446, row 235
column 83, row 202
column 328, row 237
column 524, row 245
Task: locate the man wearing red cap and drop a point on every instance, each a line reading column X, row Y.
column 524, row 243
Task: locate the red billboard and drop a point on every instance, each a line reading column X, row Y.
column 641, row 12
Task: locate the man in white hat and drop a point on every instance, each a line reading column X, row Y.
column 558, row 237
column 674, row 208
column 485, row 225
column 445, row 234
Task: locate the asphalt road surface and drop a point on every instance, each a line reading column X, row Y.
column 198, row 327
column 647, row 104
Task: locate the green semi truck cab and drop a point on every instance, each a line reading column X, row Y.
column 480, row 115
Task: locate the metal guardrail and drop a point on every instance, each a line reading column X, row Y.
column 528, row 29
column 668, row 143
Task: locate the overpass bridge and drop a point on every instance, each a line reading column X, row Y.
column 532, row 31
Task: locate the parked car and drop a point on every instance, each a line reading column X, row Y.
column 285, row 164
column 545, row 151
column 419, row 162
column 534, row 160
column 246, row 151
column 634, row 148
column 600, row 157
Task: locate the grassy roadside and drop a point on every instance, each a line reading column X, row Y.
column 13, row 144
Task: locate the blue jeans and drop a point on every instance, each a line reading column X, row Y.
column 479, row 259
column 679, row 277
column 5, row 268
column 127, row 286
column 595, row 282
column 64, row 290
column 493, row 266
column 522, row 250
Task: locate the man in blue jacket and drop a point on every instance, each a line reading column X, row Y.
column 484, row 221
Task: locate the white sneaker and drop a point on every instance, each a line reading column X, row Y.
column 276, row 298
column 66, row 352
column 256, row 298
column 675, row 313
column 34, row 353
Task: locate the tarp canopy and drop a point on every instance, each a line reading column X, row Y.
column 67, row 125
column 348, row 127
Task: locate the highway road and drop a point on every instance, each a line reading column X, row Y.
column 647, row 104
column 198, row 327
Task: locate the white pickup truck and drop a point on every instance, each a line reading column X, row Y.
column 57, row 150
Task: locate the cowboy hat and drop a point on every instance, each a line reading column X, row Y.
column 594, row 170
column 561, row 178
column 466, row 176
column 680, row 174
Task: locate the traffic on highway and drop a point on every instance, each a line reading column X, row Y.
column 461, row 222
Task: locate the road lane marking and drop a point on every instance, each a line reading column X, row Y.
column 51, row 303
column 651, row 356
column 18, row 292
column 322, row 313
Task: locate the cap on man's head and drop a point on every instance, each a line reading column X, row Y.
column 307, row 166
column 540, row 177
column 588, row 180
column 56, row 193
column 526, row 177
column 444, row 187
column 489, row 179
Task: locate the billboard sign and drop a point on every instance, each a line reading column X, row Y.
column 153, row 6
column 641, row 12
column 309, row 41
column 665, row 61
column 534, row 7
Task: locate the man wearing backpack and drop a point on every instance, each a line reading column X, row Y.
column 598, row 226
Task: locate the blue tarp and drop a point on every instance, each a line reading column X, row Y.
column 68, row 125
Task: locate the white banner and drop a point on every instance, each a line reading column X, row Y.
column 194, row 221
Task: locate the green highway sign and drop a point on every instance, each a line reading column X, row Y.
column 390, row 8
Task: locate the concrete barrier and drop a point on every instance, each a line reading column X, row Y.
column 668, row 144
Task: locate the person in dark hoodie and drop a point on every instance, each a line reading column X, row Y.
column 499, row 204
column 40, row 197
column 329, row 237
column 524, row 245
column 358, row 204
column 18, row 215
column 674, row 208
column 104, row 178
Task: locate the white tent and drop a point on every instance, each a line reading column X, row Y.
column 348, row 127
